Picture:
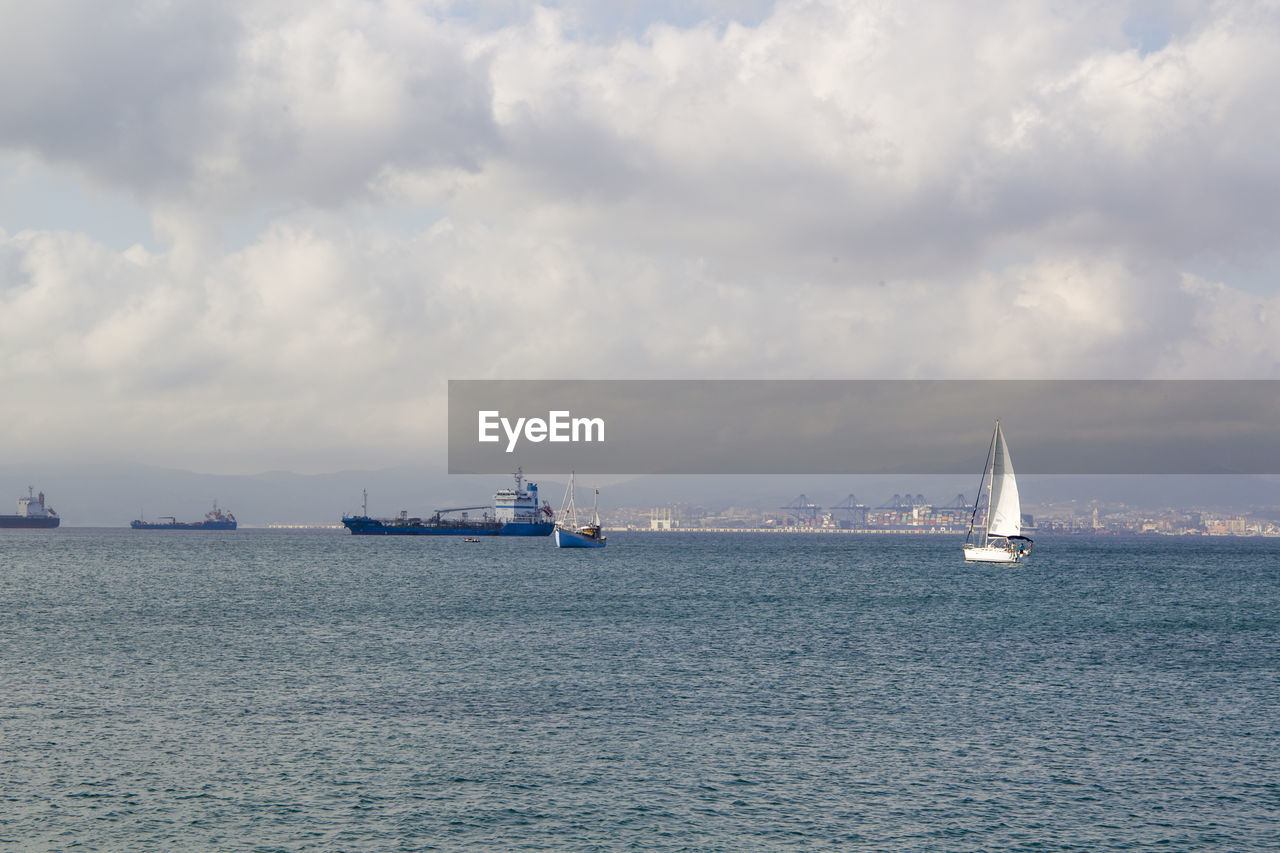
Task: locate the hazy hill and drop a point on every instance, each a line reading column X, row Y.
column 112, row 495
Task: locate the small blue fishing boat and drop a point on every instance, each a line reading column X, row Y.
column 570, row 534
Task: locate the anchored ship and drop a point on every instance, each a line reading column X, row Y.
column 215, row 519
column 32, row 513
column 515, row 512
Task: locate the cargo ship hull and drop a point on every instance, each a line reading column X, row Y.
column 184, row 525
column 363, row 526
column 23, row 522
column 215, row 519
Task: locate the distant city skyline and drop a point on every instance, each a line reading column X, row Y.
column 238, row 238
column 113, row 495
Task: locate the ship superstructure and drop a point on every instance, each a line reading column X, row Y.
column 32, row 513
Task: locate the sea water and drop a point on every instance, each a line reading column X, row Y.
column 272, row 691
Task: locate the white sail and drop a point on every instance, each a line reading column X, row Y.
column 1006, row 509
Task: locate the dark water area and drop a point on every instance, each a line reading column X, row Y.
column 274, row 691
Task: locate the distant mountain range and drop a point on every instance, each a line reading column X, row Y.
column 113, row 495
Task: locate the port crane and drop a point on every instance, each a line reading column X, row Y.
column 855, row 513
column 804, row 509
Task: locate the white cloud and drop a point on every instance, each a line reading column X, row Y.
column 354, row 202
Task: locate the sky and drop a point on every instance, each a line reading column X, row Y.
column 240, row 237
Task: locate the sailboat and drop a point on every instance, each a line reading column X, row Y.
column 568, row 533
column 1002, row 540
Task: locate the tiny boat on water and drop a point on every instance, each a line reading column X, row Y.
column 1002, row 540
column 570, row 534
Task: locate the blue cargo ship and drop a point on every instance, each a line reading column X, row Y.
column 515, row 512
column 214, row 520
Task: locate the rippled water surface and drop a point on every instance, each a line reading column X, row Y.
column 287, row 691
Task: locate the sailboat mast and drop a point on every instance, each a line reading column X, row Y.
column 991, row 478
column 573, row 509
column 977, row 499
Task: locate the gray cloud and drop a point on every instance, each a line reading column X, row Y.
column 235, row 105
column 121, row 92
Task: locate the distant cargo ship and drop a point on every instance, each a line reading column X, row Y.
column 32, row 513
column 515, row 512
column 216, row 519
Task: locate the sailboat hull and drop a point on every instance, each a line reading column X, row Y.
column 993, row 554
column 576, row 539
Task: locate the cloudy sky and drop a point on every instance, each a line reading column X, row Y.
column 238, row 236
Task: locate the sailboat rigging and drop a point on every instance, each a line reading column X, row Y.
column 1001, row 540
